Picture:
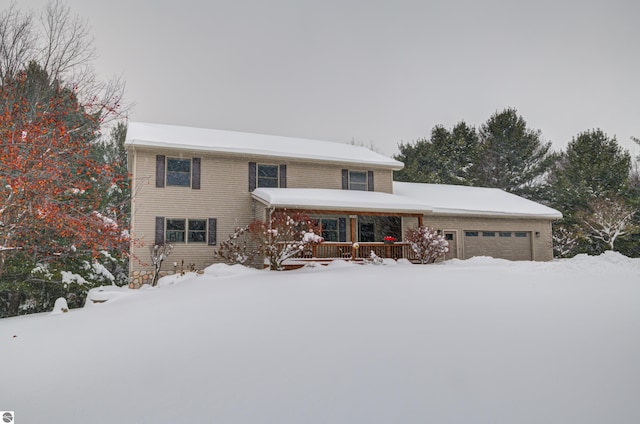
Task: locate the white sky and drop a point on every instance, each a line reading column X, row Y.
column 376, row 72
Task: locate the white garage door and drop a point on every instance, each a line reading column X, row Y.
column 512, row 245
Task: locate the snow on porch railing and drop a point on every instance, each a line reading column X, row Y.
column 335, row 250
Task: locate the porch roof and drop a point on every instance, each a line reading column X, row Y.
column 338, row 200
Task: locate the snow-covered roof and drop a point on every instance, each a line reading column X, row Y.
column 343, row 200
column 231, row 142
column 428, row 199
column 463, row 200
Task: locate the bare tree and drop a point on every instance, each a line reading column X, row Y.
column 158, row 254
column 17, row 41
column 61, row 43
column 608, row 219
column 67, row 49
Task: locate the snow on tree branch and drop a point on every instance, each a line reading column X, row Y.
column 608, row 219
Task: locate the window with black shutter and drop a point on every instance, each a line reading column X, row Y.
column 267, row 175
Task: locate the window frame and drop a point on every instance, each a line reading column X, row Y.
column 186, row 231
column 258, row 177
column 173, row 173
column 174, row 231
column 364, row 184
column 335, row 230
column 191, row 231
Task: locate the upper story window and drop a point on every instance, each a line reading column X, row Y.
column 357, row 180
column 179, row 172
column 267, row 175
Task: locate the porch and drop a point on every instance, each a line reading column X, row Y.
column 327, row 251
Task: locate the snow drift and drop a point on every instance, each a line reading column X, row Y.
column 476, row 341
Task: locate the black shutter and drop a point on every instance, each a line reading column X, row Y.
column 252, row 176
column 159, row 230
column 195, row 173
column 213, row 230
column 283, row 176
column 160, row 159
column 370, row 180
column 342, row 229
column 345, row 179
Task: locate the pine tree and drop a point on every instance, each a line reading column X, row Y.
column 593, row 169
column 512, row 157
column 592, row 166
column 446, row 158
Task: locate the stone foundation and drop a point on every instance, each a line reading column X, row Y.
column 138, row 279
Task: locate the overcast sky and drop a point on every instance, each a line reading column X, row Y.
column 376, row 72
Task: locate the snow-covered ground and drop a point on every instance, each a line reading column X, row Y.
column 476, row 341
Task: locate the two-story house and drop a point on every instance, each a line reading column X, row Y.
column 192, row 187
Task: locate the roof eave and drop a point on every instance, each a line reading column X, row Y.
column 393, row 166
column 487, row 214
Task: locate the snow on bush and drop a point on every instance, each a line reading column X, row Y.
column 98, row 272
column 426, row 243
column 69, row 277
column 60, row 307
column 283, row 237
column 236, row 249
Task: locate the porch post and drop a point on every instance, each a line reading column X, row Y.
column 352, row 223
column 420, row 220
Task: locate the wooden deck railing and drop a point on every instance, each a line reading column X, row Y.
column 335, row 250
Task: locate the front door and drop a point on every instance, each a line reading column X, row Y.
column 450, row 236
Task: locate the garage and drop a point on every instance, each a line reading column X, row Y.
column 512, row 245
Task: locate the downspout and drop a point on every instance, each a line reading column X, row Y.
column 132, row 193
column 271, row 210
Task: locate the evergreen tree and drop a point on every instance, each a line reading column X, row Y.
column 511, row 156
column 592, row 170
column 446, row 158
column 593, row 166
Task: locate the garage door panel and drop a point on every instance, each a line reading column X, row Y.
column 512, row 245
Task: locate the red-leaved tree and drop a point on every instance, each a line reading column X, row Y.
column 51, row 188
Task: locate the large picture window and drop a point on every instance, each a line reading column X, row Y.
column 179, row 172
column 329, row 229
